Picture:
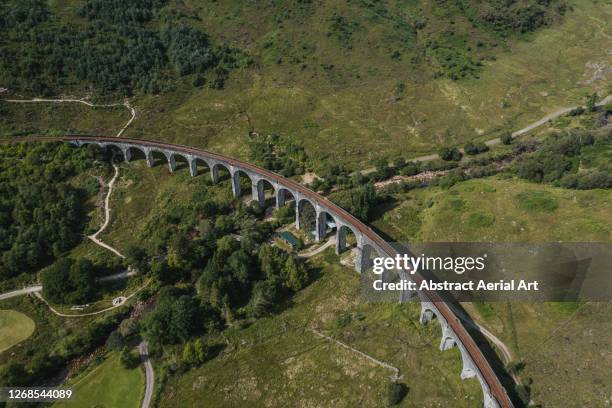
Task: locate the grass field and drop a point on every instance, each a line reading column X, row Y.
column 60, row 118
column 279, row 361
column 495, row 210
column 108, row 385
column 141, row 191
column 15, row 327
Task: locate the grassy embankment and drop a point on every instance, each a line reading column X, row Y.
column 15, row 327
column 107, row 385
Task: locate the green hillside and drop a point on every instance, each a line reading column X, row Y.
column 351, row 80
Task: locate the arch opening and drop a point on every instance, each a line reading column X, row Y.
column 114, row 152
column 284, row 197
column 134, row 154
column 220, row 172
column 201, row 168
column 307, row 218
column 285, row 206
column 326, row 225
column 265, row 195
column 346, row 239
column 178, row 161
column 156, row 157
column 242, row 185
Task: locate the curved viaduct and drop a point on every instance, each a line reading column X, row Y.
column 454, row 333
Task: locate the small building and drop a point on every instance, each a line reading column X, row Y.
column 291, row 239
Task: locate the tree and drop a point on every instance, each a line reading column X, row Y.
column 136, row 257
column 200, row 350
column 591, row 102
column 189, row 356
column 396, row 393
column 129, row 359
column 14, row 374
column 173, row 320
column 69, row 281
column 450, row 154
column 506, row 138
column 296, row 275
column 264, row 298
column 472, row 149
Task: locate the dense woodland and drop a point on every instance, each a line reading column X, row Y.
column 565, row 160
column 114, row 46
column 147, row 45
column 42, row 214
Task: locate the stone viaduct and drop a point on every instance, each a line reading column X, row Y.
column 368, row 242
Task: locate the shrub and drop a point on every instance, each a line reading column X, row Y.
column 576, row 111
column 129, row 359
column 344, row 320
column 396, row 392
column 537, row 201
column 115, row 341
column 450, row 154
column 506, row 138
column 481, row 219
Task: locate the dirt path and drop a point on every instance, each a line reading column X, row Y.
column 143, row 349
column 395, row 370
column 107, row 210
column 309, row 253
column 124, row 300
column 20, row 292
column 126, row 103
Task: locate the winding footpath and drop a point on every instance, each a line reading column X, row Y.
column 107, row 210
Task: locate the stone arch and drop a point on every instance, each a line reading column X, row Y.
column 240, row 176
column 177, row 161
column 101, row 145
column 115, row 150
column 133, row 152
column 343, row 241
column 468, row 369
column 326, row 224
column 259, row 191
column 447, row 342
column 220, row 171
column 365, row 256
column 155, row 156
column 306, row 215
column 281, row 196
column 427, row 314
column 198, row 165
